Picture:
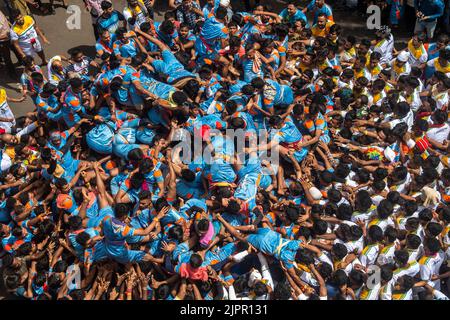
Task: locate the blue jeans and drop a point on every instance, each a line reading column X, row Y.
column 430, row 27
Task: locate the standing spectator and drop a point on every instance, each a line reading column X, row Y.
column 95, row 9
column 427, row 12
column 318, row 7
column 22, row 6
column 24, row 36
column 446, row 17
column 135, row 13
column 5, row 53
column 110, row 19
column 410, row 14
column 7, row 119
column 396, row 12
column 189, row 12
column 291, row 14
column 149, row 6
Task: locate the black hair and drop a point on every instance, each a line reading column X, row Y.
column 339, row 250
column 425, row 215
column 121, row 210
column 363, row 201
column 320, row 227
column 221, row 13
column 105, row 5
column 195, row 261
column 433, row 245
column 334, row 195
column 402, row 256
column 339, row 278
column 413, row 241
column 82, row 238
column 375, row 233
column 260, row 289
column 385, row 209
column 434, row 229
column 344, row 212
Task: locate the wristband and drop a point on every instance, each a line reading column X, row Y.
column 410, row 143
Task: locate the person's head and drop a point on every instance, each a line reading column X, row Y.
column 386, row 274
column 260, row 289
column 401, row 257
column 233, row 207
column 374, row 59
column 84, row 240
column 179, row 98
column 75, row 223
column 357, row 278
column 183, row 30
column 418, row 39
column 62, row 185
column 363, row 201
column 339, row 278
column 202, row 227
column 28, row 62
column 442, row 41
column 390, row 235
column 107, row 8
column 319, row 227
column 375, row 234
column 48, row 89
column 160, row 204
column 135, row 154
column 291, row 9
column 258, row 84
column 431, row 246
column 162, row 292
column 413, row 241
column 121, row 211
column 385, row 209
column 276, row 122
column 17, row 17
column 404, row 284
column 282, row 291
column 195, row 261
column 339, row 251
column 439, row 117
column 132, row 3
column 76, row 55
column 145, row 199
column 320, row 3
column 322, row 21
column 121, row 35
column 37, row 78
column 167, row 27
column 136, row 180
column 76, row 84
column 334, row 195
column 399, row 174
column 221, row 13
column 444, row 57
column 187, row 175
column 9, row 260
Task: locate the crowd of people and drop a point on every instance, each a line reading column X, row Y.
column 227, row 155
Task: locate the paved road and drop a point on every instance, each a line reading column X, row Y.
column 62, row 38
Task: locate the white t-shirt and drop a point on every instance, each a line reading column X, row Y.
column 439, row 134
